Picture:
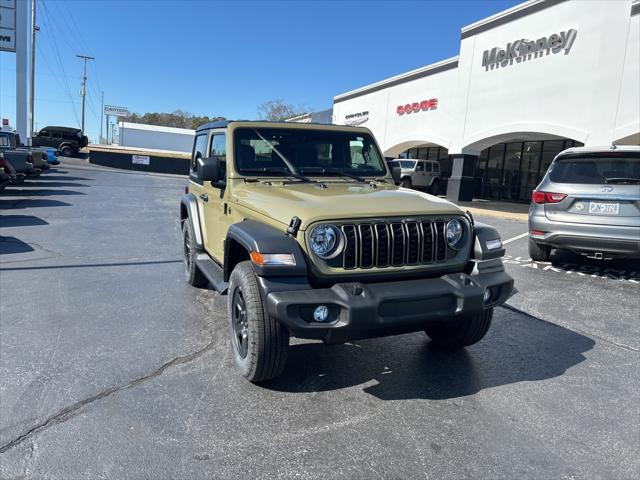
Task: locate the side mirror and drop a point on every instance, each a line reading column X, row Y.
column 208, row 169
column 396, row 173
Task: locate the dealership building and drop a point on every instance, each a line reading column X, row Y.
column 528, row 82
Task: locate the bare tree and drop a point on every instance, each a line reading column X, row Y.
column 278, row 110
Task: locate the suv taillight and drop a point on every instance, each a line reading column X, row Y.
column 547, row 197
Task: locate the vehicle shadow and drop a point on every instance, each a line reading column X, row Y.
column 48, row 184
column 31, row 203
column 44, row 192
column 518, row 348
column 21, row 221
column 56, row 177
column 9, row 245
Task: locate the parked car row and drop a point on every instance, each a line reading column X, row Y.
column 18, row 161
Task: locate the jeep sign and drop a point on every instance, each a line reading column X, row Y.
column 522, row 49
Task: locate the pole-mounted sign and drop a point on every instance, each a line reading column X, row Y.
column 8, row 25
column 116, row 111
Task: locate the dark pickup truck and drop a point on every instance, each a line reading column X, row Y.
column 23, row 160
column 68, row 141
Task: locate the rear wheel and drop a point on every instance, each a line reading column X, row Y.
column 67, row 151
column 191, row 271
column 406, row 183
column 259, row 343
column 471, row 330
column 435, row 188
column 539, row 253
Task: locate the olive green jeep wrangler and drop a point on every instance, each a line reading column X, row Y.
column 306, row 231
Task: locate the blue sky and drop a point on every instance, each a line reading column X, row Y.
column 225, row 58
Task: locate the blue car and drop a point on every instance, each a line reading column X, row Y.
column 51, row 155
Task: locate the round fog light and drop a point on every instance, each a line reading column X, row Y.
column 321, row 313
column 487, row 295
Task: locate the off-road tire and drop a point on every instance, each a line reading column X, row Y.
column 406, row 183
column 471, row 330
column 435, row 188
column 67, row 151
column 539, row 253
column 267, row 341
column 191, row 271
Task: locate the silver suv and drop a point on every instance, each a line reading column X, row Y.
column 415, row 173
column 588, row 202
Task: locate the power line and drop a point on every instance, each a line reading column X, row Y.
column 49, row 22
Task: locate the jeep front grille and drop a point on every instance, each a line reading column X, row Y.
column 384, row 244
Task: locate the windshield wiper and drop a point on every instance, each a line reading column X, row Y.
column 276, row 171
column 622, row 180
column 334, row 171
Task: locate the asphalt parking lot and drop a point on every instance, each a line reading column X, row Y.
column 113, row 367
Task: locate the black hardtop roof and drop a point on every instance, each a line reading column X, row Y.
column 62, row 129
column 225, row 124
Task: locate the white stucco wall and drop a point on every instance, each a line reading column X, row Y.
column 155, row 137
column 589, row 93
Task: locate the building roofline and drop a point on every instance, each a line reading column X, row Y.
column 155, row 128
column 425, row 71
column 506, row 16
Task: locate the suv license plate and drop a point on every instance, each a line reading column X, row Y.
column 604, row 208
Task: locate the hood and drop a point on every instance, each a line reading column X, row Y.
column 339, row 200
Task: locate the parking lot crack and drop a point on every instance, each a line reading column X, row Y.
column 72, row 410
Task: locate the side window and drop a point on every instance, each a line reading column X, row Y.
column 436, row 167
column 4, row 141
column 219, row 150
column 420, row 167
column 56, row 136
column 427, row 167
column 199, row 147
column 219, row 146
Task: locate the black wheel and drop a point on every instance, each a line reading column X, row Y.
column 471, row 330
column 67, row 151
column 435, row 189
column 406, row 183
column 191, row 271
column 539, row 253
column 259, row 343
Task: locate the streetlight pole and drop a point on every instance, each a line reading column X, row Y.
column 34, row 29
column 84, row 86
column 101, row 116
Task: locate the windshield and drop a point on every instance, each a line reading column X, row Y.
column 407, row 164
column 622, row 167
column 310, row 152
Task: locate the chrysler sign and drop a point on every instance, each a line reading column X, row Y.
column 523, row 49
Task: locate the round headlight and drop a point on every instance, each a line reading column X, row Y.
column 325, row 241
column 454, row 233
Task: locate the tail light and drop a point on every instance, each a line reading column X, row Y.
column 186, row 189
column 547, row 197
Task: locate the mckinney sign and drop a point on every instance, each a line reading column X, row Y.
column 523, row 49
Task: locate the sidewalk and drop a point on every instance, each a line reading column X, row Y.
column 513, row 211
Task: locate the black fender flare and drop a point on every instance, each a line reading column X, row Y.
column 483, row 233
column 189, row 213
column 255, row 236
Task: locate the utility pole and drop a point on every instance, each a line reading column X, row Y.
column 101, row 116
column 34, row 29
column 83, row 92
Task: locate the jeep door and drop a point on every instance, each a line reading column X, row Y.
column 211, row 198
column 419, row 175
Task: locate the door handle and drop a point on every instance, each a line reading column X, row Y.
column 204, row 197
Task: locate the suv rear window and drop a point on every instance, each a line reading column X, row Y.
column 623, row 167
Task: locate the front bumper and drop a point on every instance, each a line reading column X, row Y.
column 363, row 310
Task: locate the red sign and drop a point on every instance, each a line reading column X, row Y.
column 430, row 104
column 5, row 122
